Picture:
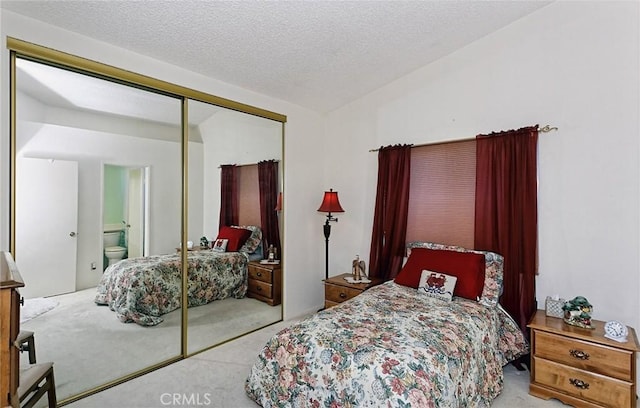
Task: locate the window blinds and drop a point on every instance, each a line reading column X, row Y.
column 442, row 193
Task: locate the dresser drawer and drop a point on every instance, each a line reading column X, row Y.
column 599, row 389
column 338, row 294
column 260, row 288
column 583, row 355
column 261, row 274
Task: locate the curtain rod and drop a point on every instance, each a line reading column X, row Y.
column 250, row 164
column 543, row 129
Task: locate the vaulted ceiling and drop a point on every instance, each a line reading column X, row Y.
column 317, row 54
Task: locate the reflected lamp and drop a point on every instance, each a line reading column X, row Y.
column 279, row 203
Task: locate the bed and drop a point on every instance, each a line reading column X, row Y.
column 394, row 346
column 141, row 290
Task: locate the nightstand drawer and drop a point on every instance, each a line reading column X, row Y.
column 260, row 288
column 261, row 274
column 265, row 282
column 593, row 357
column 339, row 294
column 582, row 384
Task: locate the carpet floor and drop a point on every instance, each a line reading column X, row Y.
column 90, row 346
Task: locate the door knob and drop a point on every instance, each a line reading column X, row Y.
column 72, row 234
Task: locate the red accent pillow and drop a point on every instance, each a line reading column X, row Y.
column 468, row 267
column 236, row 236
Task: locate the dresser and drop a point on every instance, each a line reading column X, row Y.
column 580, row 366
column 338, row 290
column 10, row 282
column 265, row 282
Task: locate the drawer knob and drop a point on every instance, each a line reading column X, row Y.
column 343, row 295
column 259, row 274
column 579, row 354
column 258, row 288
column 579, row 383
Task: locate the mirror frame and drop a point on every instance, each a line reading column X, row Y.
column 40, row 54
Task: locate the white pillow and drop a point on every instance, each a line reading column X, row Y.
column 436, row 284
column 220, row 245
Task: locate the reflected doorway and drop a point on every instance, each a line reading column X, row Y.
column 125, row 212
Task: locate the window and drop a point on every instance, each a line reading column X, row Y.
column 442, row 193
column 248, row 195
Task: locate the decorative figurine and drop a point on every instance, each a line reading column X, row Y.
column 272, row 253
column 577, row 312
column 358, row 269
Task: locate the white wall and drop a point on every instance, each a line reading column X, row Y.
column 574, row 65
column 232, row 137
column 303, row 264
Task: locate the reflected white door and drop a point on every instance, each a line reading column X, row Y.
column 46, row 225
column 136, row 213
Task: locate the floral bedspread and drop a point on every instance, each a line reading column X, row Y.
column 141, row 290
column 389, row 347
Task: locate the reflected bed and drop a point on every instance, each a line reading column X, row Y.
column 141, row 290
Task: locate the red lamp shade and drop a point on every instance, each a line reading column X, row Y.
column 330, row 202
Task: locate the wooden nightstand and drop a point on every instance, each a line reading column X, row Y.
column 265, row 282
column 581, row 367
column 338, row 290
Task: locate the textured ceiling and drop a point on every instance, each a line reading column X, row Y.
column 317, row 54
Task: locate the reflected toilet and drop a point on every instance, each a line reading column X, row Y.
column 112, row 250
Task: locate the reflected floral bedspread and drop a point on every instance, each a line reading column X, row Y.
column 141, row 290
column 389, row 347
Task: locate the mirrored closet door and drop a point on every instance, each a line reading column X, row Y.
column 218, row 137
column 98, row 180
column 115, row 175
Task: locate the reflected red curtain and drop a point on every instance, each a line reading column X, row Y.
column 390, row 217
column 506, row 219
column 268, row 184
column 228, row 195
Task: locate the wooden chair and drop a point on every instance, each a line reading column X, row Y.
column 35, row 381
column 27, row 342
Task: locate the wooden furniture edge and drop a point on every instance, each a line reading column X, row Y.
column 9, row 275
column 540, row 321
column 546, row 394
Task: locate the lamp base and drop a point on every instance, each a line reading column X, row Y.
column 327, row 233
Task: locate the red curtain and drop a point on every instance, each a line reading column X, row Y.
column 506, row 219
column 390, row 217
column 228, row 195
column 268, row 184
